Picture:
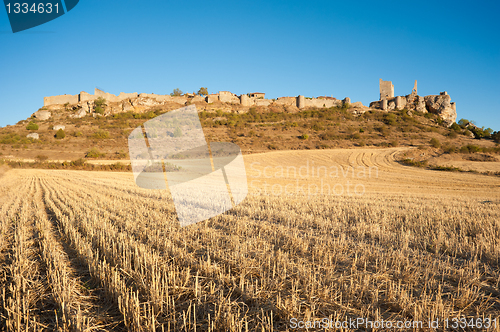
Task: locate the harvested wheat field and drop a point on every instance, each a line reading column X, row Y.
column 91, row 251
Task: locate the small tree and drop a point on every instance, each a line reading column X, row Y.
column 496, row 136
column 176, row 93
column 463, row 123
column 99, row 102
column 203, row 91
column 32, row 126
column 60, row 134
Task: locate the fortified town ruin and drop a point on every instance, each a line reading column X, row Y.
column 84, row 103
column 251, row 99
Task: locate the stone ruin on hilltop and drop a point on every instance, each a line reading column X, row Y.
column 84, row 103
column 129, row 101
column 437, row 104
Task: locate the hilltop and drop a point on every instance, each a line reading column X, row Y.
column 98, row 128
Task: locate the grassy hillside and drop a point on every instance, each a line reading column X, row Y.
column 257, row 129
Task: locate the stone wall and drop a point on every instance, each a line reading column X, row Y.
column 245, row 100
column 212, row 98
column 228, row 97
column 84, row 96
column 197, row 99
column 262, row 102
column 157, row 97
column 179, row 99
column 86, row 100
column 108, row 96
column 123, row 95
column 288, row 101
column 321, row 103
column 60, row 100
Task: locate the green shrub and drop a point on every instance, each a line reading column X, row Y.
column 411, row 162
column 177, row 132
column 450, row 149
column 120, row 154
column 126, row 115
column 455, row 127
column 469, row 148
column 79, row 162
column 304, row 136
column 496, row 136
column 177, row 92
column 77, row 133
column 101, row 134
column 463, row 123
column 10, row 138
column 94, row 153
column 394, row 143
column 99, row 102
column 318, row 126
column 435, row 143
column 481, row 132
column 390, row 119
column 32, row 126
column 60, row 134
column 41, row 158
column 99, row 110
column 446, row 168
column 272, row 147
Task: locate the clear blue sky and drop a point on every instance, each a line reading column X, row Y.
column 282, row 48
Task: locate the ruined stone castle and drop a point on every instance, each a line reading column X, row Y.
column 438, row 104
column 251, row 99
column 84, row 102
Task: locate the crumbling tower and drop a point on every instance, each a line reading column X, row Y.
column 386, row 89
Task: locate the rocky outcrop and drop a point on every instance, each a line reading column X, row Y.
column 42, row 115
column 357, row 104
column 57, row 127
column 469, row 134
column 419, row 103
column 442, row 106
column 437, row 104
column 87, row 106
column 145, row 101
column 79, row 114
column 33, row 136
column 127, row 106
